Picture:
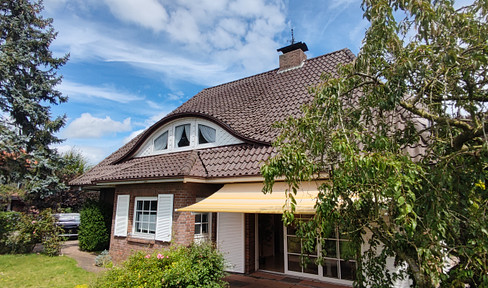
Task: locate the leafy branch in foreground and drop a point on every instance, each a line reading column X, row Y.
column 401, row 134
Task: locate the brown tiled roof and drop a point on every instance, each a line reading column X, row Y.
column 246, row 108
column 226, row 161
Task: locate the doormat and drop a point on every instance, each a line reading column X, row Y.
column 291, row 280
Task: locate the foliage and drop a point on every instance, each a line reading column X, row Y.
column 41, row 271
column 8, row 224
column 401, row 133
column 103, row 259
column 7, row 191
column 73, row 165
column 27, row 87
column 19, row 233
column 199, row 265
column 48, row 233
column 94, row 231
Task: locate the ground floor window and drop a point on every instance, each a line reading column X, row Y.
column 203, row 224
column 336, row 252
column 145, row 215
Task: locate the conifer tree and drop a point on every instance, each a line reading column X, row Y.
column 28, row 79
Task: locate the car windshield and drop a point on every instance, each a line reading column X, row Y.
column 68, row 217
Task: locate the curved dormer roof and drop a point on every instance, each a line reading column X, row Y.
column 244, row 108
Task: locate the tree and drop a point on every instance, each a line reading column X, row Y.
column 74, row 165
column 28, row 79
column 401, row 134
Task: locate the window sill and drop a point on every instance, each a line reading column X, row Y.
column 140, row 240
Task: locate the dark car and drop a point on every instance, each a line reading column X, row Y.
column 70, row 222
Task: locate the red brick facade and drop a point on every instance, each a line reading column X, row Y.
column 292, row 59
column 183, row 222
column 250, row 243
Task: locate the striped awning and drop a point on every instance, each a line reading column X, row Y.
column 248, row 198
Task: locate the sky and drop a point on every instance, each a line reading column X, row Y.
column 133, row 61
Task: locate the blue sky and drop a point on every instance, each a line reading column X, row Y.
column 133, row 61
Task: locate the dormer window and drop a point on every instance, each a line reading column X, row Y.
column 161, row 143
column 206, row 134
column 182, row 135
column 186, row 134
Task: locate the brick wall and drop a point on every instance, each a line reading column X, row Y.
column 292, row 59
column 183, row 222
column 250, row 243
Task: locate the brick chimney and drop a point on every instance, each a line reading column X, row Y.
column 293, row 56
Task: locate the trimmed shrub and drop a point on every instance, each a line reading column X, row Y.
column 94, row 232
column 199, row 265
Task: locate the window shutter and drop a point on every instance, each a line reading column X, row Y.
column 164, row 221
column 122, row 215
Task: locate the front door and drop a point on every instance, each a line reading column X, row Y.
column 270, row 243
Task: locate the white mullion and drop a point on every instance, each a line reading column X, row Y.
column 285, row 239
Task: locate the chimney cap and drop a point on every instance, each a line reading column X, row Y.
column 295, row 46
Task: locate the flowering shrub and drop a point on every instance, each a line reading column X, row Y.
column 199, row 265
column 20, row 232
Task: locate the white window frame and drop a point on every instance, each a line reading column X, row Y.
column 320, row 274
column 203, row 236
column 192, row 136
column 142, row 234
column 222, row 137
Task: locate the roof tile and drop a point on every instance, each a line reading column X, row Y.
column 247, row 108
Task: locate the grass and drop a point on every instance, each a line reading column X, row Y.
column 33, row 270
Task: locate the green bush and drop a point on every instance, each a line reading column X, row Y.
column 19, row 233
column 199, row 265
column 94, row 232
column 47, row 232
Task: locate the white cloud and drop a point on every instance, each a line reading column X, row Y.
column 81, row 92
column 176, row 96
column 184, row 28
column 147, row 13
column 356, row 35
column 92, row 154
column 342, row 3
column 197, row 43
column 133, row 135
column 87, row 126
column 154, row 105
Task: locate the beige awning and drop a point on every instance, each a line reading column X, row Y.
column 248, row 198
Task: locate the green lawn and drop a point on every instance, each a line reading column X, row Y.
column 34, row 270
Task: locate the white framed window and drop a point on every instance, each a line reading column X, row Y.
column 206, row 134
column 152, row 217
column 182, row 135
column 337, row 253
column 186, row 134
column 161, row 142
column 145, row 216
column 202, row 224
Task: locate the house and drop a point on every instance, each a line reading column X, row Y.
column 195, row 174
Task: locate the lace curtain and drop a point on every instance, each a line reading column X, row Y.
column 207, row 133
column 179, row 130
column 161, row 142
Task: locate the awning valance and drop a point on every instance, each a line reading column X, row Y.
column 248, row 198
